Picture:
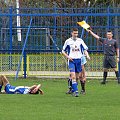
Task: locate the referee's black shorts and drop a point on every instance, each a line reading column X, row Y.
column 109, row 62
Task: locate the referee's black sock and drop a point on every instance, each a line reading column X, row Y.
column 117, row 75
column 104, row 76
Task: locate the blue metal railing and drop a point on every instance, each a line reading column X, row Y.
column 59, row 21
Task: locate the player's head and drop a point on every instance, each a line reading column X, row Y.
column 32, row 92
column 109, row 34
column 74, row 32
column 39, row 91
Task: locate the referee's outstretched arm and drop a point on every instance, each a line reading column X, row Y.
column 93, row 34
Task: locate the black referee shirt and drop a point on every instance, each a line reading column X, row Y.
column 109, row 46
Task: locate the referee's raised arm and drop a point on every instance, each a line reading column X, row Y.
column 93, row 34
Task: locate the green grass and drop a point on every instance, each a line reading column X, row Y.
column 102, row 102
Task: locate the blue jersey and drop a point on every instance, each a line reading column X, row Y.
column 16, row 90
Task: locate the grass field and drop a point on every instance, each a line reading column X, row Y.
column 102, row 102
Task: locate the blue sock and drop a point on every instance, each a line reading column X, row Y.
column 0, row 88
column 74, row 86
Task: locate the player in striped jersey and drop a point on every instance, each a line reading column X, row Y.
column 73, row 50
column 9, row 89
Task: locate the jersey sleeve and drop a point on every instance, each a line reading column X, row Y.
column 84, row 46
column 65, row 46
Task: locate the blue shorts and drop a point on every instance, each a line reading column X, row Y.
column 75, row 65
column 83, row 60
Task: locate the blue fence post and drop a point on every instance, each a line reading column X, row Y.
column 25, row 64
column 10, row 25
column 23, row 49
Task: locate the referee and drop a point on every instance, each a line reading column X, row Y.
column 111, row 54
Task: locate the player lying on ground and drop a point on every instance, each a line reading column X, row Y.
column 82, row 76
column 9, row 89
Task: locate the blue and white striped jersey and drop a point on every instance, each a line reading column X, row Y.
column 17, row 90
column 75, row 48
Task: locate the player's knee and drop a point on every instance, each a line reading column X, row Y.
column 84, row 78
column 80, row 77
column 73, row 77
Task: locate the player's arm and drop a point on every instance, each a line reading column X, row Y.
column 38, row 89
column 35, row 88
column 87, row 54
column 66, row 55
column 116, row 45
column 38, row 86
column 64, row 51
column 93, row 34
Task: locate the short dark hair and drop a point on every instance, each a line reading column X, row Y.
column 74, row 29
column 37, row 92
column 109, row 31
